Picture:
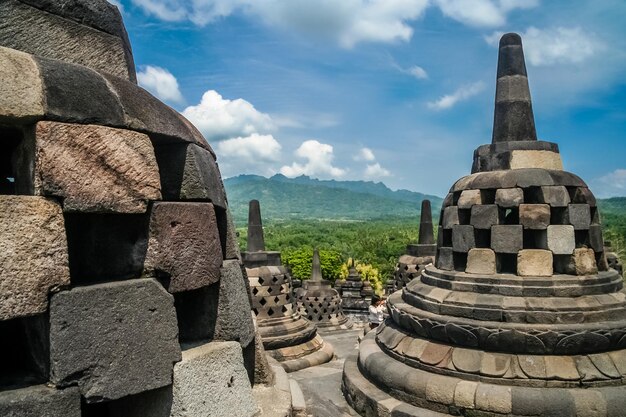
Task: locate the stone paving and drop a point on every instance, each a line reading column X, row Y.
column 321, row 385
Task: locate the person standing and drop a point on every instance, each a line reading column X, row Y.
column 376, row 312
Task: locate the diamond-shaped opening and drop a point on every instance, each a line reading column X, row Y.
column 284, row 309
column 269, row 290
column 255, row 290
column 270, row 311
column 274, row 279
column 262, row 301
column 261, row 281
column 276, row 299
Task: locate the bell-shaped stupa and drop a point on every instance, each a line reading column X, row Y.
column 411, row 264
column 287, row 337
column 520, row 315
column 319, row 302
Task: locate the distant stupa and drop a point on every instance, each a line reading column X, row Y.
column 356, row 293
column 287, row 337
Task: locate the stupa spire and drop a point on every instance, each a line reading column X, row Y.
column 513, row 117
column 426, row 236
column 316, row 270
column 256, row 241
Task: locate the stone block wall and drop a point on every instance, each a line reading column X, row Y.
column 121, row 286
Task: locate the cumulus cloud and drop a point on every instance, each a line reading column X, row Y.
column 559, row 45
column 375, row 171
column 462, row 94
column 364, row 154
column 250, row 149
column 348, row 21
column 482, row 13
column 319, row 161
column 612, row 184
column 219, row 118
column 160, row 82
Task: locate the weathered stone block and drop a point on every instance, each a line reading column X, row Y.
column 450, row 217
column 232, row 242
column 554, row 195
column 585, row 261
column 211, row 381
column 481, row 261
column 184, row 245
column 595, row 238
column 579, row 216
column 33, row 254
column 114, row 339
column 507, row 238
column 484, row 216
column 535, row 159
column 189, row 172
column 234, row 321
column 21, row 92
column 509, row 197
column 45, row 34
column 463, row 238
column 469, row 198
column 584, row 196
column 534, row 263
column 445, row 259
column 70, row 157
column 561, row 239
column 40, row 401
column 534, row 216
column 74, row 93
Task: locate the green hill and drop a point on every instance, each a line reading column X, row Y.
column 283, row 198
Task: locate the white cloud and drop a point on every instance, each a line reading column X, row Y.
column 462, row 94
column 250, row 149
column 418, row 72
column 559, row 45
column 219, row 118
column 364, row 154
column 612, row 184
column 348, row 21
column 482, row 13
column 161, row 83
column 319, row 158
column 375, row 171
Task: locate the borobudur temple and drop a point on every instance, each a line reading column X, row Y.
column 520, row 315
column 287, row 337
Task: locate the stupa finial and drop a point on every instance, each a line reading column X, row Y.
column 256, row 241
column 513, row 118
column 426, row 236
column 316, row 270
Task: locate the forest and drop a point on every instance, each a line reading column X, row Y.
column 375, row 245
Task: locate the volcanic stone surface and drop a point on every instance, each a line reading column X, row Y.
column 69, row 157
column 184, row 245
column 40, row 401
column 114, row 339
column 33, row 254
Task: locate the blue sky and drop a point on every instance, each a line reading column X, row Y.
column 399, row 91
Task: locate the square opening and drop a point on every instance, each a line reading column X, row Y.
column 535, row 239
column 222, row 226
column 564, row 264
column 582, row 238
column 460, row 261
column 10, row 141
column 196, row 312
column 446, row 237
column 482, row 238
column 508, row 215
column 506, row 263
column 558, row 215
column 455, row 198
column 24, row 352
column 488, row 196
column 533, row 195
column 106, row 247
column 465, row 216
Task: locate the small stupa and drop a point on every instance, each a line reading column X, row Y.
column 319, row 302
column 520, row 315
column 356, row 293
column 411, row 264
column 287, row 337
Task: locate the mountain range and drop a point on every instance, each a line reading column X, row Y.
column 284, row 198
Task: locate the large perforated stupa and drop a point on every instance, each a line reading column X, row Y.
column 520, row 315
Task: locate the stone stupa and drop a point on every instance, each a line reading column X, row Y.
column 319, row 302
column 411, row 264
column 520, row 315
column 287, row 337
column 356, row 293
